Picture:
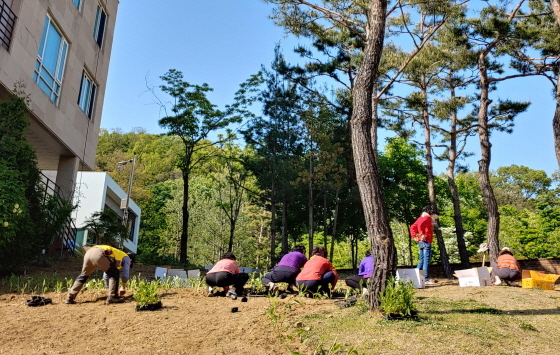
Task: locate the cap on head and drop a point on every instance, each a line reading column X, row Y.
column 505, row 250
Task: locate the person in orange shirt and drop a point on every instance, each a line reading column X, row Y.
column 226, row 273
column 317, row 273
column 506, row 268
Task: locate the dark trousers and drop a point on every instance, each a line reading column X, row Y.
column 356, row 281
column 223, row 278
column 318, row 285
column 281, row 273
column 505, row 273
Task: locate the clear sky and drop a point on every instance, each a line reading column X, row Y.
column 223, row 42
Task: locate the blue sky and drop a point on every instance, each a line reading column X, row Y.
column 223, row 42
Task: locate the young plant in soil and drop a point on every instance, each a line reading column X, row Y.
column 398, row 300
column 146, row 296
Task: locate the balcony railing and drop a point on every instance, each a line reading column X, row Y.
column 65, row 240
column 7, row 24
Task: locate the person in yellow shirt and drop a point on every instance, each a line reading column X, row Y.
column 111, row 260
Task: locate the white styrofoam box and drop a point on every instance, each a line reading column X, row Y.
column 193, row 273
column 177, row 272
column 160, row 272
column 414, row 275
column 477, row 277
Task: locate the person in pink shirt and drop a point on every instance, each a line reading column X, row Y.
column 226, row 273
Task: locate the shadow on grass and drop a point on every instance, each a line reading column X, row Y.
column 489, row 310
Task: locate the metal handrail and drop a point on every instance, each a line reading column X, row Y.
column 7, row 25
column 67, row 235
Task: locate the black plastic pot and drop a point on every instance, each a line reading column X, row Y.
column 396, row 316
column 149, row 307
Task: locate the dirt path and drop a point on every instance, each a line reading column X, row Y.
column 189, row 323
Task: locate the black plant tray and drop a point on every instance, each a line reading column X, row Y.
column 394, row 316
column 149, row 307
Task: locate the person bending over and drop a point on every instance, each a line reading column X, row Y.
column 506, row 268
column 226, row 273
column 317, row 273
column 111, row 260
column 287, row 269
column 364, row 273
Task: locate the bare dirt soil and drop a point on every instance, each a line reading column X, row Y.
column 453, row 320
column 188, row 323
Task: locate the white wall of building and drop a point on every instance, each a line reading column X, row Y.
column 94, row 191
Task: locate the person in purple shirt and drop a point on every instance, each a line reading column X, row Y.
column 287, row 269
column 364, row 273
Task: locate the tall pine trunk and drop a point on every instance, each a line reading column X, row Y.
column 310, row 210
column 459, row 230
column 556, row 119
column 284, row 224
column 484, row 162
column 335, row 221
column 431, row 184
column 555, row 5
column 367, row 170
column 273, row 224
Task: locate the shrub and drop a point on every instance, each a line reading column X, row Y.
column 146, row 293
column 398, row 298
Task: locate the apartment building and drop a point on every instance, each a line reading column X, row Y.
column 60, row 51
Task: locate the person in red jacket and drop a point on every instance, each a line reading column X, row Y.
column 423, row 232
column 317, row 273
column 506, row 268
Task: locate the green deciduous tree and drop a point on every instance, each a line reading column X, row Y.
column 192, row 118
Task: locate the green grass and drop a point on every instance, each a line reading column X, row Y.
column 452, row 320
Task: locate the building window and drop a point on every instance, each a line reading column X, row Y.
column 87, row 94
column 51, row 58
column 99, row 28
column 7, row 24
column 78, row 3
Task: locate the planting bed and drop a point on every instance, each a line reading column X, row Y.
column 187, row 323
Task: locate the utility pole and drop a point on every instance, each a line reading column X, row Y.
column 130, row 180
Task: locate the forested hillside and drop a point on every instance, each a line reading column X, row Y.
column 231, row 177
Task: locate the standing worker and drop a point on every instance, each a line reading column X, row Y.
column 111, row 260
column 423, row 232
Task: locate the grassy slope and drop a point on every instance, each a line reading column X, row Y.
column 453, row 320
